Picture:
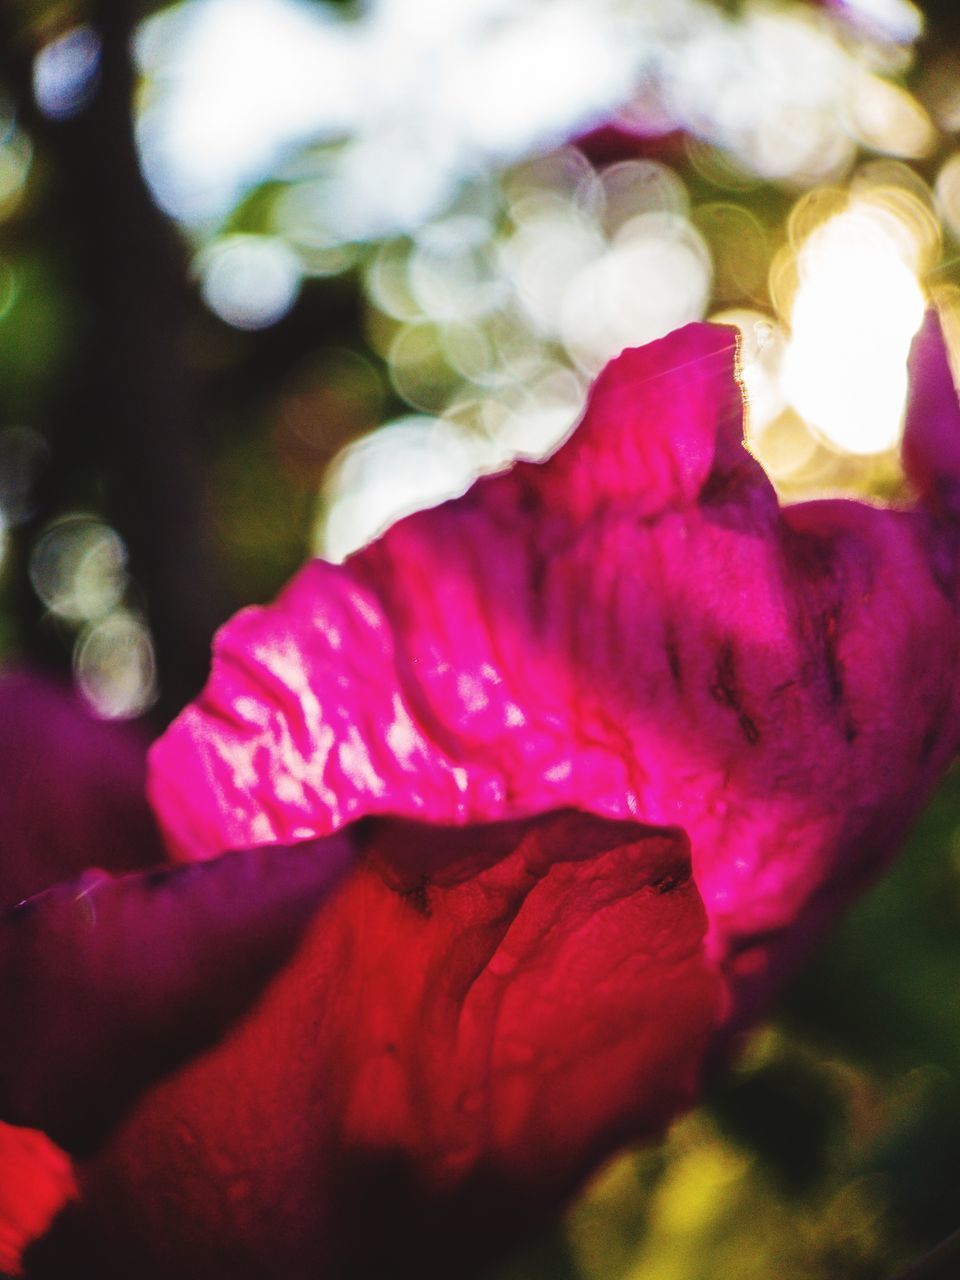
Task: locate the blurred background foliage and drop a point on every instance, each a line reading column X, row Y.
column 273, row 272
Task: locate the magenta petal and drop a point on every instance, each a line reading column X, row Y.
column 664, row 428
column 634, row 628
column 107, row 984
column 71, row 790
column 931, row 438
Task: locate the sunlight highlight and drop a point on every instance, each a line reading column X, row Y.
column 405, row 466
column 858, row 304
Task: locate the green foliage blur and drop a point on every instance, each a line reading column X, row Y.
column 181, row 399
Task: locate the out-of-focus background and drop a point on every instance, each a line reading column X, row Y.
column 274, row 272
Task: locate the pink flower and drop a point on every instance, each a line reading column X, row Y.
column 570, row 673
column 635, row 628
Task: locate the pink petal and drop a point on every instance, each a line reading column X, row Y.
column 634, row 628
column 106, row 984
column 475, row 1020
column 931, row 446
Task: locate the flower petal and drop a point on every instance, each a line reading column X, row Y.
column 107, row 984
column 71, row 794
column 634, row 628
column 474, row 1021
column 931, row 438
column 36, row 1181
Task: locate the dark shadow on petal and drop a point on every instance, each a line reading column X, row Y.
column 107, row 984
column 71, row 790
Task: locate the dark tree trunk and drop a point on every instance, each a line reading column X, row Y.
column 123, row 403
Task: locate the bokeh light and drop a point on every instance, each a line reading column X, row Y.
column 898, row 19
column 411, row 463
column 234, row 85
column 114, row 666
column 888, row 118
column 857, row 306
column 231, row 85
column 551, row 244
column 589, row 258
column 653, row 277
column 65, row 73
column 78, row 568
column 532, row 423
column 249, row 281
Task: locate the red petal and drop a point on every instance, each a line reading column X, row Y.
column 36, row 1181
column 475, row 1020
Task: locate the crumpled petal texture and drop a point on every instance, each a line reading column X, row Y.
column 475, row 1019
column 636, row 628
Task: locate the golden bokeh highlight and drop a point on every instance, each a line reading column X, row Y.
column 848, row 286
column 887, row 117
